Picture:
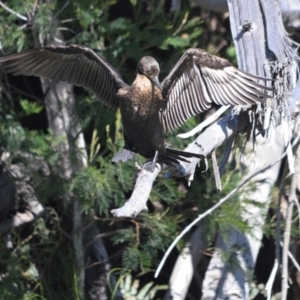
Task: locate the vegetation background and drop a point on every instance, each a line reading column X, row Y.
column 40, row 260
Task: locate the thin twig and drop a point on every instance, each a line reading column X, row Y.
column 226, row 155
column 278, row 216
column 298, row 209
column 271, row 279
column 67, row 29
column 216, row 171
column 13, row 12
column 292, row 258
column 104, row 260
column 31, row 95
column 102, row 235
column 69, row 20
column 287, row 230
column 62, row 8
column 287, row 233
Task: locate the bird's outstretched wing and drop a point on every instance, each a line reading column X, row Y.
column 198, row 79
column 73, row 64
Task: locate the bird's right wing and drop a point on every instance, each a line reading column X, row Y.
column 198, row 79
column 73, row 64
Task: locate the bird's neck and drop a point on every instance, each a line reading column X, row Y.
column 142, row 83
column 145, row 88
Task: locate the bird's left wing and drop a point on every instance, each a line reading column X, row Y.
column 74, row 64
column 198, row 79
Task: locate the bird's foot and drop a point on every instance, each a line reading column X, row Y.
column 123, row 155
column 149, row 166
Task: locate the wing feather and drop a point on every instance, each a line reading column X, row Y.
column 215, row 93
column 73, row 64
column 198, row 79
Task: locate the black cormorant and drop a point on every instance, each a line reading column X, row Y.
column 148, row 108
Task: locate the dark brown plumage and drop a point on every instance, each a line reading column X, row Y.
column 148, row 109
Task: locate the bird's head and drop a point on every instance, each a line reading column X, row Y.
column 149, row 67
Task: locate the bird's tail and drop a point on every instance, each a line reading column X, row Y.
column 175, row 156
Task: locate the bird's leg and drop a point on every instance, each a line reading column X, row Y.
column 150, row 166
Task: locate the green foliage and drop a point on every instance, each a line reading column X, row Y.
column 131, row 259
column 30, row 108
column 258, row 290
column 165, row 190
column 98, row 188
column 230, row 51
column 123, row 236
column 131, row 289
column 42, row 145
column 20, row 274
column 12, row 135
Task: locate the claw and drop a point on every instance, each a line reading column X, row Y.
column 150, row 166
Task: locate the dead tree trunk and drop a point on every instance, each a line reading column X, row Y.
column 262, row 48
column 93, row 261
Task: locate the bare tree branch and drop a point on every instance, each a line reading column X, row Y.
column 287, row 230
column 186, row 265
column 271, row 279
column 13, row 12
column 34, row 211
column 216, row 171
column 16, row 187
column 293, row 259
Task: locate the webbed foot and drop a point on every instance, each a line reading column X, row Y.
column 123, row 155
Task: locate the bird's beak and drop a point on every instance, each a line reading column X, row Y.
column 155, row 80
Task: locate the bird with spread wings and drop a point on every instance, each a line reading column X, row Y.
column 148, row 108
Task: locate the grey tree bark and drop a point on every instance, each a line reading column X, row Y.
column 290, row 11
column 64, row 123
column 252, row 24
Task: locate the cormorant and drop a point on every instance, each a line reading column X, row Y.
column 148, row 108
